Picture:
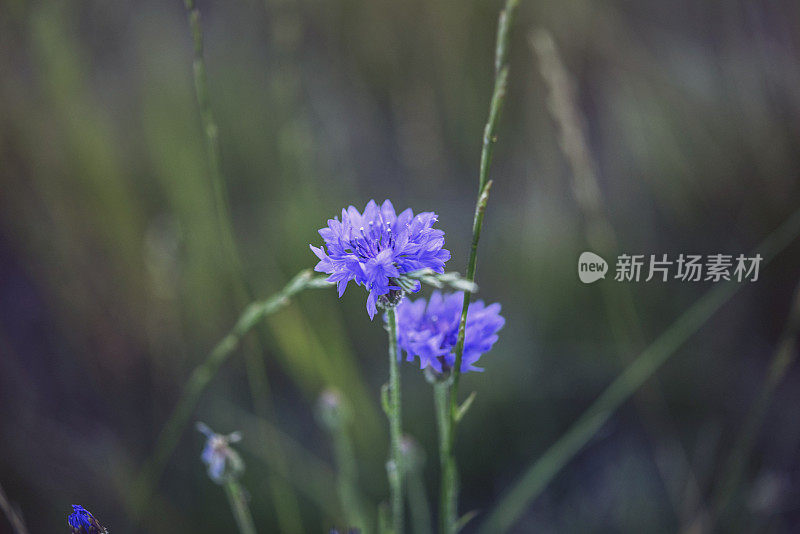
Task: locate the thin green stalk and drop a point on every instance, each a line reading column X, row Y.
column 347, row 480
column 785, row 354
column 239, row 507
column 201, row 377
column 211, row 134
column 417, row 496
column 256, row 372
column 418, row 503
column 541, row 472
column 484, row 184
column 384, row 519
column 477, row 225
column 394, row 467
column 286, row 506
column 309, row 474
column 449, row 473
column 336, row 417
column 449, row 485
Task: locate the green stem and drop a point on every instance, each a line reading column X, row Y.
column 286, row 506
column 348, row 480
column 394, row 467
column 384, row 519
column 477, row 225
column 238, row 502
column 336, row 417
column 484, row 185
column 418, row 501
column 308, row 474
column 211, row 134
column 449, row 483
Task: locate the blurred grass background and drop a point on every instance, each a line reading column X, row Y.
column 114, row 283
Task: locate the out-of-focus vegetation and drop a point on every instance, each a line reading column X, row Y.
column 115, row 284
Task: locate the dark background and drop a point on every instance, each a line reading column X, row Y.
column 114, row 283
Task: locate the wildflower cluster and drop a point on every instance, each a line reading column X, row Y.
column 391, row 255
column 375, row 249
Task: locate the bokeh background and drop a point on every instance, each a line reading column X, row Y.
column 114, row 281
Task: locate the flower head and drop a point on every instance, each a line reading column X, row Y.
column 429, row 330
column 375, row 249
column 81, row 521
column 223, row 462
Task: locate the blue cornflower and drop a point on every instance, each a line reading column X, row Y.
column 81, row 521
column 375, row 249
column 429, row 330
column 223, row 462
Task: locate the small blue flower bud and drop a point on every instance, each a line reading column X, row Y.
column 81, row 521
column 223, row 462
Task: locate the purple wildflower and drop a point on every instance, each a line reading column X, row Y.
column 81, row 521
column 222, row 461
column 375, row 249
column 429, row 330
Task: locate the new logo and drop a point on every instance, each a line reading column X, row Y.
column 591, row 267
